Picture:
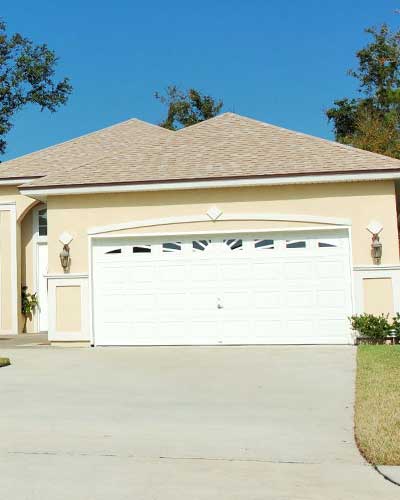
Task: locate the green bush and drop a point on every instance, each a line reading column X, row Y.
column 4, row 362
column 396, row 325
column 375, row 328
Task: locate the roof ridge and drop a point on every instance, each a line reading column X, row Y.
column 83, row 136
column 203, row 122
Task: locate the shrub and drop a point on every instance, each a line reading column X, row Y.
column 4, row 362
column 396, row 325
column 376, row 328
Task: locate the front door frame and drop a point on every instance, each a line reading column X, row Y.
column 37, row 240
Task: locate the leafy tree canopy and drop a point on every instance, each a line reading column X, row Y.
column 27, row 77
column 372, row 121
column 187, row 108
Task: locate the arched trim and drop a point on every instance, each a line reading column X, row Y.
column 332, row 221
column 27, row 209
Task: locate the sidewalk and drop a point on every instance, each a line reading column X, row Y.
column 23, row 340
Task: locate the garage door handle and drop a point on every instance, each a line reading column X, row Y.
column 219, row 304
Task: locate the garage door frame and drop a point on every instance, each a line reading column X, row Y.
column 107, row 232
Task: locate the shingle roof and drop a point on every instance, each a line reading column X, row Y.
column 228, row 146
column 131, row 134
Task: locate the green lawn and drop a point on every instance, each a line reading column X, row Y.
column 4, row 362
column 377, row 408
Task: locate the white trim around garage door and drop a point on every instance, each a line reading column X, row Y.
column 333, row 221
column 106, row 232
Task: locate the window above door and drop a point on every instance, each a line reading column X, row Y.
column 39, row 219
column 42, row 222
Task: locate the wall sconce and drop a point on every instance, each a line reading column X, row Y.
column 65, row 259
column 375, row 228
column 376, row 249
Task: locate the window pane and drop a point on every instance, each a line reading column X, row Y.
column 322, row 244
column 141, row 249
column 42, row 222
column 172, row 247
column 234, row 244
column 264, row 244
column 295, row 244
column 200, row 245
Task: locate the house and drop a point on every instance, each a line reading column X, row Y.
column 231, row 231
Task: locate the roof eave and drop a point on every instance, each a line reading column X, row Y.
column 17, row 181
column 41, row 192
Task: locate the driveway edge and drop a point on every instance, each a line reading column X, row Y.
column 388, row 475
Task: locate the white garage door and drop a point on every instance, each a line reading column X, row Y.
column 286, row 288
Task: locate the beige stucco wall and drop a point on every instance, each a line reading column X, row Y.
column 5, row 273
column 360, row 202
column 378, row 295
column 23, row 203
column 68, row 308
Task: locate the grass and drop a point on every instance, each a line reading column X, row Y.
column 4, row 362
column 377, row 407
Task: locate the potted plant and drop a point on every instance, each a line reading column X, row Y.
column 29, row 303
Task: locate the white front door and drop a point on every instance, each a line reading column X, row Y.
column 42, row 259
column 277, row 288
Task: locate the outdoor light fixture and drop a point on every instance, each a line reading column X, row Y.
column 376, row 249
column 65, row 259
column 375, row 228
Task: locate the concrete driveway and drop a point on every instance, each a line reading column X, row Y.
column 245, row 423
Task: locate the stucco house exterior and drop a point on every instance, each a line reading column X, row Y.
column 231, row 231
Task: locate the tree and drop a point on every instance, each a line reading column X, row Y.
column 185, row 109
column 27, row 77
column 372, row 122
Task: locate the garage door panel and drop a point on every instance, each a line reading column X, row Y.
column 203, row 272
column 329, row 327
column 267, row 300
column 235, row 299
column 172, row 301
column 268, row 329
column 331, row 268
column 203, row 329
column 300, row 299
column 299, row 327
column 110, row 276
column 203, row 300
column 233, row 330
column 332, row 299
column 234, row 271
column 223, row 290
column 267, row 271
column 168, row 272
column 298, row 269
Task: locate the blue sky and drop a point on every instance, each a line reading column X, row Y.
column 280, row 62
